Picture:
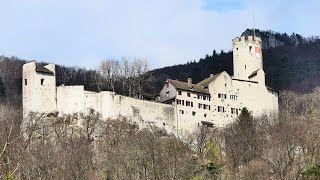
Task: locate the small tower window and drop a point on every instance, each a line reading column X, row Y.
column 42, row 81
column 25, row 82
column 250, row 47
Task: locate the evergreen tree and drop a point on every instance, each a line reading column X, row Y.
column 242, row 140
column 214, row 53
column 2, row 90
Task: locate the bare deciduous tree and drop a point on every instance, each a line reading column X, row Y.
column 110, row 70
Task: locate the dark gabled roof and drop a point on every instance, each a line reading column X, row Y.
column 184, row 86
column 208, row 80
column 42, row 69
column 254, row 73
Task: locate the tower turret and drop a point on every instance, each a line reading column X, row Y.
column 247, row 56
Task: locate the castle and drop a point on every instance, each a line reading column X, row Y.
column 179, row 107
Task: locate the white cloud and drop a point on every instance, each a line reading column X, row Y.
column 167, row 32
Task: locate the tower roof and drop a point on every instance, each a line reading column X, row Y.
column 42, row 69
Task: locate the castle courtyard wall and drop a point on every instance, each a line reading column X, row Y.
column 143, row 112
column 70, row 99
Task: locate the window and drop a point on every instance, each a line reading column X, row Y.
column 167, row 94
column 179, row 93
column 42, row 81
column 222, row 96
column 191, row 104
column 182, row 102
column 205, row 106
column 250, row 47
column 203, row 97
column 234, row 97
column 234, row 111
column 205, row 115
column 188, row 94
column 193, row 113
column 181, row 111
column 188, row 103
column 221, row 109
column 178, row 101
column 25, row 82
column 200, row 106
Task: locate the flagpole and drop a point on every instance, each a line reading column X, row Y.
column 254, row 26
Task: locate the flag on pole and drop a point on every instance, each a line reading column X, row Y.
column 258, row 53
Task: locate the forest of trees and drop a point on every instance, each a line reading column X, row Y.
column 283, row 146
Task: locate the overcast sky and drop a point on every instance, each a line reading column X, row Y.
column 166, row 32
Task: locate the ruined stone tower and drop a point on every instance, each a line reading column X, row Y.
column 38, row 88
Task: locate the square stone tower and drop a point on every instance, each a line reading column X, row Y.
column 38, row 88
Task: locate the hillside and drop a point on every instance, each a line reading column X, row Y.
column 55, row 146
column 290, row 63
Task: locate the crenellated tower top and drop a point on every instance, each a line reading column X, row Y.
column 247, row 39
column 247, row 56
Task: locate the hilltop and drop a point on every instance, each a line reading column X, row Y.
column 290, row 63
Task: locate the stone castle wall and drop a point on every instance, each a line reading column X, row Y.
column 40, row 94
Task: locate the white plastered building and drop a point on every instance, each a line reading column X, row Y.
column 218, row 99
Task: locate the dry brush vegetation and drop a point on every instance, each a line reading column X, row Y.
column 59, row 147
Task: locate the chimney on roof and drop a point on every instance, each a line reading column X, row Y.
column 190, row 82
column 211, row 75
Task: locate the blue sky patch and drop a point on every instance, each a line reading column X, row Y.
column 224, row 5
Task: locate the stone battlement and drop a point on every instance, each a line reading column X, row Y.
column 246, row 39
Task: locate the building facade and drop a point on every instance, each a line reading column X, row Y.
column 218, row 99
column 180, row 107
